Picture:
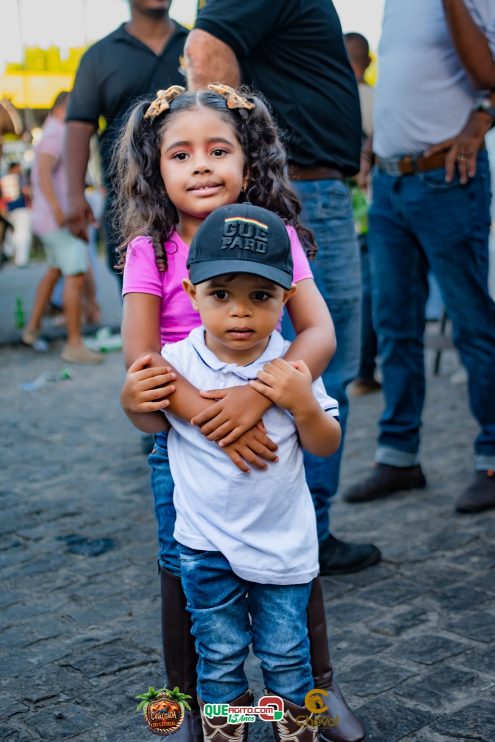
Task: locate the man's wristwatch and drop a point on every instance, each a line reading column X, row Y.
column 486, row 106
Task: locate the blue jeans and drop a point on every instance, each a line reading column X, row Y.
column 228, row 614
column 416, row 222
column 327, row 210
column 162, row 487
column 369, row 342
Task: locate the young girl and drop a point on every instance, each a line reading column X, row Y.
column 178, row 160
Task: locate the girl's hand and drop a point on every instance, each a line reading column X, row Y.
column 286, row 384
column 146, row 387
column 251, row 448
column 236, row 410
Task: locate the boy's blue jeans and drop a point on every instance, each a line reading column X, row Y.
column 229, row 613
column 416, row 222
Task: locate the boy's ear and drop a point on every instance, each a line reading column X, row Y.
column 288, row 294
column 190, row 290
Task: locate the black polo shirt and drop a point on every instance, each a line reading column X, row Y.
column 293, row 52
column 114, row 73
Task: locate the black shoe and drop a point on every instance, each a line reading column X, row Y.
column 339, row 558
column 480, row 495
column 386, row 480
column 147, row 443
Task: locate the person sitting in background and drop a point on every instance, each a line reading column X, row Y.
column 67, row 255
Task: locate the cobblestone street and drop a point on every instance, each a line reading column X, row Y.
column 412, row 639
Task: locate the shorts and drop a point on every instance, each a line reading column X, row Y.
column 67, row 253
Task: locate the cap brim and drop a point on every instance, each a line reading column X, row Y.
column 200, row 272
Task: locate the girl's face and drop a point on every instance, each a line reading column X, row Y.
column 201, row 162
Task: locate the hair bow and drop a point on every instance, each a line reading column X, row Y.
column 233, row 98
column 163, row 100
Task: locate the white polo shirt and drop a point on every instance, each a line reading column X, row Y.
column 262, row 522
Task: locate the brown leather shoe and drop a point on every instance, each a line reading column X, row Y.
column 386, row 480
column 480, row 495
column 219, row 730
column 363, row 386
column 338, row 723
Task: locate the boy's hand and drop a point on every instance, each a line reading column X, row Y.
column 254, row 448
column 236, row 410
column 146, row 387
column 286, row 384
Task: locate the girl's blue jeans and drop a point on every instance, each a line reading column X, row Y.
column 229, row 613
column 162, row 486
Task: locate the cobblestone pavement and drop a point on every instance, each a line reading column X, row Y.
column 412, row 639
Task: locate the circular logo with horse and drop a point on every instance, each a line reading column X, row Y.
column 163, row 709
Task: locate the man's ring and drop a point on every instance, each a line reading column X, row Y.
column 462, row 156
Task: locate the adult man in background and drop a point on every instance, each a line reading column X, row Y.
column 294, row 54
column 431, row 208
column 135, row 60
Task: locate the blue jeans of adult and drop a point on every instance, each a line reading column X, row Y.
column 162, row 487
column 420, row 221
column 369, row 342
column 327, row 210
column 229, row 613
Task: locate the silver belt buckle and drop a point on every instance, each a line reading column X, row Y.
column 390, row 166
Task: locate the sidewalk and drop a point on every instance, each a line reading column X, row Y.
column 412, row 639
column 21, row 283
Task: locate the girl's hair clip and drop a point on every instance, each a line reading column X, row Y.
column 163, row 100
column 233, row 98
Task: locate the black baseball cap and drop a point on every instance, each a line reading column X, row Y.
column 241, row 238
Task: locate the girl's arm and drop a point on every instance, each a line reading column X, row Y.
column 141, row 337
column 315, row 344
column 315, row 341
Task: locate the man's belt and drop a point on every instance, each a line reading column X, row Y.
column 410, row 164
column 314, row 172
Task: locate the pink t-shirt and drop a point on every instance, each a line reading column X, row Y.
column 51, row 143
column 177, row 317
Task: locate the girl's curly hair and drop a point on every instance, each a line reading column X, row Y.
column 142, row 205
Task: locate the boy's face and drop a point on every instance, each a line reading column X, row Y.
column 239, row 312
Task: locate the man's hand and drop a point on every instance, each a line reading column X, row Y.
column 253, row 447
column 146, row 387
column 79, row 216
column 463, row 149
column 286, row 384
column 59, row 216
column 236, row 410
